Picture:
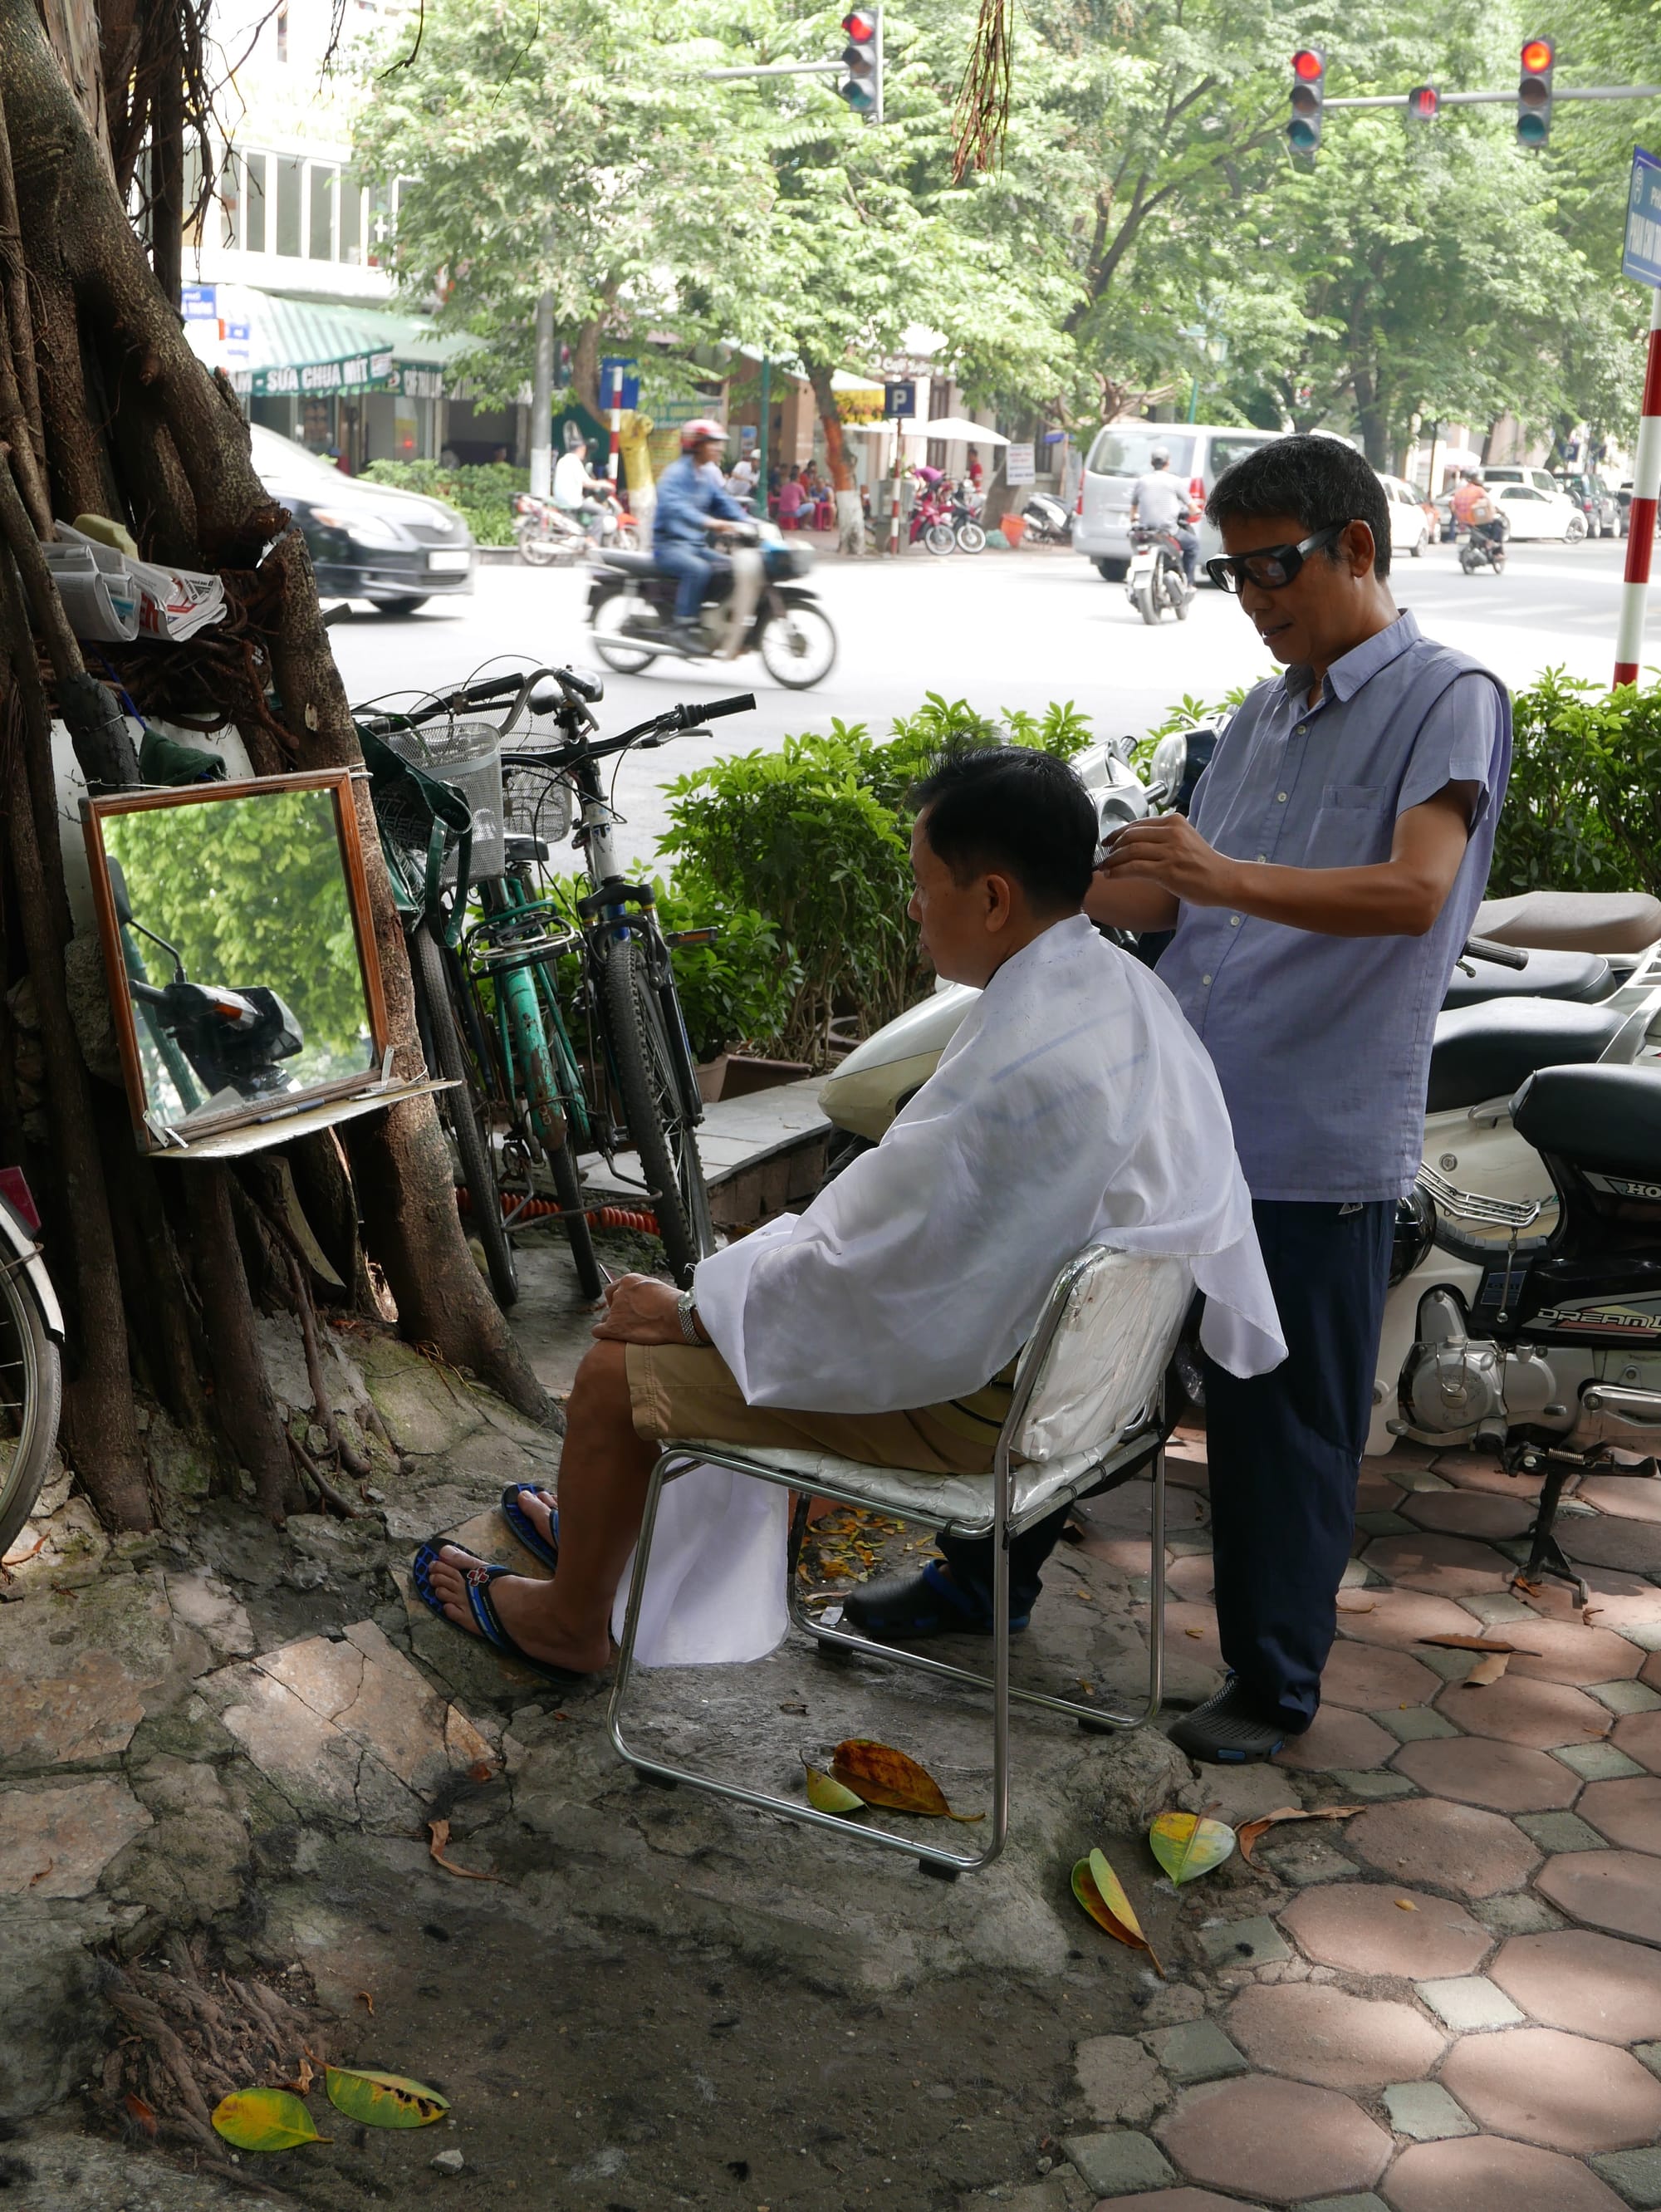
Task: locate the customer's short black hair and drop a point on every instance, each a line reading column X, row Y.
column 1009, row 808
column 1319, row 481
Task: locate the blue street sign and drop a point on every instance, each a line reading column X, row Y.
column 1641, row 257
column 198, row 303
column 631, row 399
column 898, row 400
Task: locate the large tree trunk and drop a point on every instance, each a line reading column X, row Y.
column 850, row 514
column 106, row 409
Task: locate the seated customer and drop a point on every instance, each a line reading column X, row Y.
column 1074, row 1105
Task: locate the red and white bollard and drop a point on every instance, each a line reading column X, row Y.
column 617, row 421
column 1645, row 487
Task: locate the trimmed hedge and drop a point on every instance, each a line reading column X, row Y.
column 484, row 492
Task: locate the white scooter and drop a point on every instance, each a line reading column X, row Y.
column 1156, row 578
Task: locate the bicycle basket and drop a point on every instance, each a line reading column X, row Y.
column 467, row 757
column 537, row 803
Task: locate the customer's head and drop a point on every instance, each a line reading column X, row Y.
column 1003, row 845
column 1282, row 493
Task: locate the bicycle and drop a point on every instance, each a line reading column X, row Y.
column 638, row 1054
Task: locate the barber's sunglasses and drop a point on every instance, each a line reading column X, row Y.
column 1271, row 566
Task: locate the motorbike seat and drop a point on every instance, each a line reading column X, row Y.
column 1582, row 976
column 520, row 852
column 645, row 564
column 1572, row 921
column 1490, row 1049
column 1602, row 1118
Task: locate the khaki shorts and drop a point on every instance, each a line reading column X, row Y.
column 683, row 1391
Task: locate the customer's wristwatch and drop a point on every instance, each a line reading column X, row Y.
column 687, row 1306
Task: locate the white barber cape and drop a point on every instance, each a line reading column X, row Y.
column 1073, row 1106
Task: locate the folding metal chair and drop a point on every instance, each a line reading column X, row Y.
column 1085, row 1416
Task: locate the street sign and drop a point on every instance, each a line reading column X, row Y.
column 898, row 400
column 198, row 303
column 631, row 397
column 1641, row 259
column 1018, row 467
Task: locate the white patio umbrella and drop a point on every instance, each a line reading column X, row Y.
column 948, row 427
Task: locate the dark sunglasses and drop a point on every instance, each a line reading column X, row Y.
column 1271, row 566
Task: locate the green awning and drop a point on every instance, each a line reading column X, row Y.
column 272, row 346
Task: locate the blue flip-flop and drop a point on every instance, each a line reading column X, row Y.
column 539, row 1546
column 478, row 1576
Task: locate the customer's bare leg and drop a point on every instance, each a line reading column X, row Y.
column 605, row 1469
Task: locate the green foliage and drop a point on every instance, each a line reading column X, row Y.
column 814, row 836
column 1584, row 810
column 252, row 891
column 483, row 491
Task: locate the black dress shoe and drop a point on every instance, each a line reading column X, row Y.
column 908, row 1609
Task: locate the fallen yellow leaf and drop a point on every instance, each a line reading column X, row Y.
column 880, row 1775
column 1102, row 1893
column 264, row 2120
column 826, row 1795
column 1187, row 1844
column 1251, row 1833
column 1405, row 1905
column 439, row 1831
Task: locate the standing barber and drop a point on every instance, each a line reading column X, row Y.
column 1321, row 892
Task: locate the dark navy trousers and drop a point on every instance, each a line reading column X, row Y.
column 1284, row 1448
column 1284, row 1451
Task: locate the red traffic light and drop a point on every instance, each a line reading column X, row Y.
column 1424, row 103
column 860, row 27
column 1538, row 55
column 1308, row 65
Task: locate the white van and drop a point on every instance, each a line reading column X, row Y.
column 1199, row 452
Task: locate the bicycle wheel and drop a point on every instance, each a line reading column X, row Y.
column 656, row 1119
column 461, row 1111
column 31, row 1400
column 547, row 1117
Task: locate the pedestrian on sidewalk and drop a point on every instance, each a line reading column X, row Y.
column 1320, row 891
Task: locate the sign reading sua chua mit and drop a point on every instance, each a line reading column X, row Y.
column 357, row 372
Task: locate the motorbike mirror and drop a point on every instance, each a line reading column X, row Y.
column 1170, row 763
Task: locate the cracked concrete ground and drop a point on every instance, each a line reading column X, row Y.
column 223, row 1749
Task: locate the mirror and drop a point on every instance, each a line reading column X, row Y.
column 236, row 942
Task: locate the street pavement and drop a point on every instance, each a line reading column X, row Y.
column 1002, row 630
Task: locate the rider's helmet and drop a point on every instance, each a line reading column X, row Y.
column 694, row 434
column 1161, row 456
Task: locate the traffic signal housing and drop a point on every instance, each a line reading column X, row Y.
column 1424, row 104
column 1303, row 130
column 1534, row 92
column 861, row 84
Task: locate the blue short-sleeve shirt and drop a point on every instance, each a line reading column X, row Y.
column 1322, row 1044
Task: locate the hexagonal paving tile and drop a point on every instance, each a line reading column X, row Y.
column 1377, row 1493
column 1369, row 1678
column 1567, row 1651
column 1541, row 1714
column 1336, row 1738
column 1628, row 1813
column 1362, row 1927
column 1442, row 1566
column 1640, row 1736
column 1559, row 2091
column 1503, row 1776
column 1400, row 1617
column 1469, row 1513
column 1480, row 2173
column 1590, row 1984
column 1278, row 2140
column 1620, row 1601
column 1192, row 1577
column 1324, row 2035
column 1635, row 1546
column 1628, row 1498
column 1472, row 1853
column 1617, row 1891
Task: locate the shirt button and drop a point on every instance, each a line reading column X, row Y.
column 1302, row 730
column 1262, row 856
column 1205, row 979
column 1280, row 799
column 1233, row 921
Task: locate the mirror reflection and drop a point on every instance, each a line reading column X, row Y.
column 236, row 932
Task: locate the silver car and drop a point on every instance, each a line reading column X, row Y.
column 1199, row 452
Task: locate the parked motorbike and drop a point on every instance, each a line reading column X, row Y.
column 1048, row 520
column 754, row 602
column 547, row 536
column 1154, row 579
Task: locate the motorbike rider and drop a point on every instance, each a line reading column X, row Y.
column 690, row 506
column 577, row 491
column 1321, row 890
column 1157, row 504
column 1474, row 510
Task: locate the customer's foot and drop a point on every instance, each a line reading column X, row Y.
column 907, row 1608
column 1229, row 1729
column 520, row 1603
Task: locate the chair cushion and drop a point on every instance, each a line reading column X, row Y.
column 1107, row 1359
column 962, row 1503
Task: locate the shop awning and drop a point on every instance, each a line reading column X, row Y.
column 270, row 346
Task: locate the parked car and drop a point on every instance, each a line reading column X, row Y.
column 1623, row 500
column 396, row 549
column 1595, row 501
column 1531, row 512
column 1519, row 473
column 1410, row 532
column 1199, row 453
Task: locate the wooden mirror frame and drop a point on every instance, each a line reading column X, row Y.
column 337, row 782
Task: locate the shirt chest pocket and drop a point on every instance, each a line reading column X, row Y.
column 1354, row 828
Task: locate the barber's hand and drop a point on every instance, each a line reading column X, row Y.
column 1167, row 850
column 640, row 1310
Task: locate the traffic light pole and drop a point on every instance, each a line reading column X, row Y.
column 1499, row 99
column 1640, row 524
